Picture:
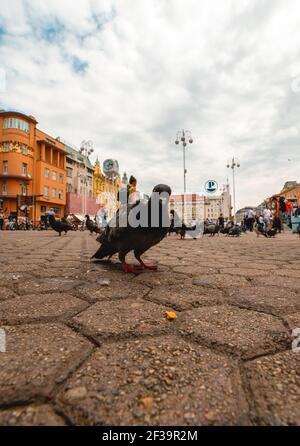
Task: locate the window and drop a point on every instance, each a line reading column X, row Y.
column 5, row 167
column 60, row 194
column 53, row 192
column 4, row 189
column 13, row 123
column 23, row 189
column 61, row 178
column 69, row 172
column 24, row 169
column 24, row 149
column 69, row 187
column 6, row 147
column 46, row 173
column 46, row 191
column 43, row 208
column 54, row 175
column 57, row 211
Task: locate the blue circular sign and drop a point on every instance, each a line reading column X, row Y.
column 211, row 186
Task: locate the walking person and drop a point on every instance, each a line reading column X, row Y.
column 1, row 220
column 250, row 219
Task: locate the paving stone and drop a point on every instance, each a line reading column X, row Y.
column 234, row 330
column 183, row 296
column 39, row 307
column 6, row 293
column 34, row 415
column 116, row 289
column 244, row 272
column 195, row 270
column 124, row 318
column 222, row 280
column 66, row 273
column 275, row 388
column 267, row 299
column 189, row 386
column 280, row 282
column 37, row 358
column 20, row 267
column 292, row 320
column 44, row 285
column 255, row 280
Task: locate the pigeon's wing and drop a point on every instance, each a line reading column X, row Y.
column 119, row 226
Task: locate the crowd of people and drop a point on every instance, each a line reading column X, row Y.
column 264, row 221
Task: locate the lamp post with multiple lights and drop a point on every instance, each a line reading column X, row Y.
column 86, row 149
column 233, row 164
column 185, row 137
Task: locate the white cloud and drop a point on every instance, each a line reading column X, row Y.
column 223, row 69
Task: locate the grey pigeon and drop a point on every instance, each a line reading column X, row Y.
column 121, row 239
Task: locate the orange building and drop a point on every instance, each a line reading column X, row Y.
column 32, row 167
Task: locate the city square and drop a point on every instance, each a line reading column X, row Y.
column 87, row 344
column 149, row 219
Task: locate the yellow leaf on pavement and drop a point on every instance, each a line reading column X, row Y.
column 171, row 315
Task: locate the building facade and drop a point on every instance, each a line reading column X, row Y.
column 80, row 199
column 189, row 207
column 291, row 191
column 105, row 190
column 32, row 167
column 218, row 204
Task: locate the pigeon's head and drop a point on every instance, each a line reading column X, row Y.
column 160, row 188
column 162, row 192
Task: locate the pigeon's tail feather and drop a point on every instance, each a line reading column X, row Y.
column 105, row 250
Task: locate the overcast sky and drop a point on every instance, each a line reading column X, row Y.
column 128, row 74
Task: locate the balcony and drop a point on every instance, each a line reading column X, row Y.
column 16, row 176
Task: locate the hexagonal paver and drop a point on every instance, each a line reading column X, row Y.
column 162, row 381
column 154, row 278
column 6, row 293
column 222, row 280
column 123, row 318
column 280, row 282
column 194, row 270
column 267, row 299
column 34, row 415
column 110, row 288
column 37, row 357
column 275, row 388
column 41, row 307
column 46, row 285
column 234, row 330
column 184, row 295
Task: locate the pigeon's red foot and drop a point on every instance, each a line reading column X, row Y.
column 130, row 268
column 148, row 266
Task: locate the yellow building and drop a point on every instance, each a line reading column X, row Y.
column 105, row 189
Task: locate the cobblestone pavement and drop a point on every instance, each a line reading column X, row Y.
column 87, row 344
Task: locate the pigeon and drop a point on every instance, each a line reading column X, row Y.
column 178, row 226
column 235, row 231
column 212, row 230
column 59, row 226
column 91, row 226
column 122, row 239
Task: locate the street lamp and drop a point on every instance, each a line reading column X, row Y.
column 86, row 149
column 233, row 164
column 185, row 137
